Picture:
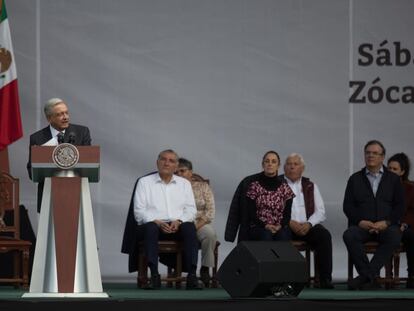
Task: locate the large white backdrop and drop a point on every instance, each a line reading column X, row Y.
column 221, row 82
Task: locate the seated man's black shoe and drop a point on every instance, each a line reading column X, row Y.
column 154, row 282
column 326, row 284
column 358, row 282
column 192, row 282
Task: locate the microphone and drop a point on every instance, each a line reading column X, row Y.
column 71, row 139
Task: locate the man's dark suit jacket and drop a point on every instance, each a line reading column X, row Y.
column 130, row 239
column 82, row 137
column 361, row 204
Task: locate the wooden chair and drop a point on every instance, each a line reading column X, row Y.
column 391, row 277
column 214, row 280
column 303, row 246
column 10, row 232
column 164, row 247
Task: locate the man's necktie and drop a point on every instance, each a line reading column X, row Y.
column 60, row 138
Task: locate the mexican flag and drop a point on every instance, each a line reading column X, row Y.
column 10, row 120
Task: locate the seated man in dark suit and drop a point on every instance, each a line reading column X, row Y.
column 58, row 131
column 164, row 209
column 373, row 203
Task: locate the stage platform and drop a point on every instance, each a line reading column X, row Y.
column 127, row 297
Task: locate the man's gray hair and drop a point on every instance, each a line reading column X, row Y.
column 296, row 155
column 48, row 108
column 168, row 151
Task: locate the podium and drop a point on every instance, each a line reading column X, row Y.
column 66, row 260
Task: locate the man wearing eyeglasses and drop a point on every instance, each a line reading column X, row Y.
column 373, row 203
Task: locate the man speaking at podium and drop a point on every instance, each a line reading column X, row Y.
column 58, row 131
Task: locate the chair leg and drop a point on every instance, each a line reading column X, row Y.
column 388, row 275
column 397, row 269
column 170, row 275
column 17, row 268
column 350, row 269
column 178, row 270
column 214, row 282
column 25, row 268
column 308, row 266
column 316, row 280
column 142, row 277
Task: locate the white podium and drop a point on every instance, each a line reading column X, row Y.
column 66, row 260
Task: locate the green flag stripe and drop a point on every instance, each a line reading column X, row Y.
column 3, row 11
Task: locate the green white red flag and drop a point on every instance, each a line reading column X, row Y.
column 10, row 120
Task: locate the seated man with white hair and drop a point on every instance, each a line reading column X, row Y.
column 308, row 211
column 58, row 131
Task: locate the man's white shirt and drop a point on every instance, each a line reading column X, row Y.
column 298, row 205
column 155, row 199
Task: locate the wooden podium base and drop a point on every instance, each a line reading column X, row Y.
column 66, row 260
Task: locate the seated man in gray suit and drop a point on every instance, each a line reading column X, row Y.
column 58, row 131
column 373, row 203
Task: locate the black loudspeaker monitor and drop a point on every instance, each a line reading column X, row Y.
column 263, row 269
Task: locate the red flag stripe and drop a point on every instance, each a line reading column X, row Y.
column 10, row 120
